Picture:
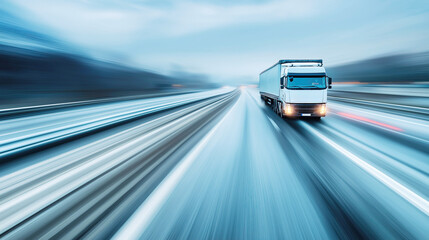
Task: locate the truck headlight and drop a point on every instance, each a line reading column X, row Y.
column 288, row 109
column 322, row 109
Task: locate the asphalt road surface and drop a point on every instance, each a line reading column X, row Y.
column 215, row 164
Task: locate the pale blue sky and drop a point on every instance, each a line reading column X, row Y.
column 231, row 40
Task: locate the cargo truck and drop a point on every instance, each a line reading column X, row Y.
column 296, row 88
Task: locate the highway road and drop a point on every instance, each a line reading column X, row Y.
column 216, row 164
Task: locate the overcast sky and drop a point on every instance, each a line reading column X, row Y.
column 231, row 40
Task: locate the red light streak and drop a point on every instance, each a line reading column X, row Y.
column 359, row 118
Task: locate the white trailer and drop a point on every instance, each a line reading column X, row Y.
column 296, row 88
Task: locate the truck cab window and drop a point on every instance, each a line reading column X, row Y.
column 306, row 82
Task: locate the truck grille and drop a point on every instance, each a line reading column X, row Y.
column 306, row 107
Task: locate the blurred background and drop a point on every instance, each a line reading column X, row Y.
column 142, row 119
column 56, row 51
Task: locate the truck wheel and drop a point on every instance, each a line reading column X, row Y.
column 281, row 110
column 277, row 108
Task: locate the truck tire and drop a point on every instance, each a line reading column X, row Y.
column 280, row 109
column 276, row 108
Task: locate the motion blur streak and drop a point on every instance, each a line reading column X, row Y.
column 348, row 115
column 137, row 224
column 412, row 197
column 217, row 164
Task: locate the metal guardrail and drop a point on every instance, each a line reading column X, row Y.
column 54, row 106
column 397, row 107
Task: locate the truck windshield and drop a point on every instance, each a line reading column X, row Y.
column 306, row 82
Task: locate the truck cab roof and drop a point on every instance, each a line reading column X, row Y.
column 303, row 70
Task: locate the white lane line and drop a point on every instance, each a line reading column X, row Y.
column 261, row 105
column 137, row 224
column 380, row 154
column 274, row 124
column 400, row 189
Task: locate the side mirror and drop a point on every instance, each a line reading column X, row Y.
column 329, row 82
column 282, row 82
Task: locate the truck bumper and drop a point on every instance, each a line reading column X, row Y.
column 305, row 110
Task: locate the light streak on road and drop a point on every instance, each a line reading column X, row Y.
column 218, row 164
column 406, row 193
column 138, row 223
column 363, row 119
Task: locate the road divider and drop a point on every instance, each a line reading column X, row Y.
column 391, row 106
column 17, row 136
column 44, row 193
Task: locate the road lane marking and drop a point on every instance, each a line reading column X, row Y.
column 411, row 170
column 137, row 224
column 274, row 124
column 400, row 189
